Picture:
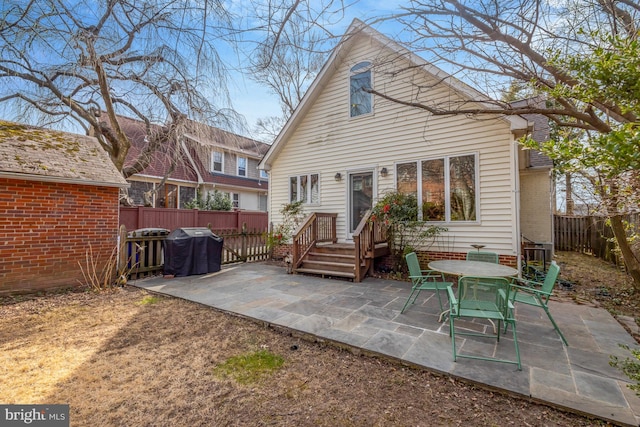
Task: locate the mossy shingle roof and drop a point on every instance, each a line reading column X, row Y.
column 33, row 152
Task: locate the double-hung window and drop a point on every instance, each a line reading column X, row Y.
column 242, row 166
column 305, row 188
column 216, row 161
column 446, row 188
column 359, row 82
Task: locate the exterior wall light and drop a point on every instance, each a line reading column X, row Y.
column 338, row 176
column 384, row 172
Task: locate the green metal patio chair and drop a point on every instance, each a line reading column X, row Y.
column 423, row 280
column 483, row 256
column 482, row 298
column 537, row 294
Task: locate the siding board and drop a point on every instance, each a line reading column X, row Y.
column 327, row 141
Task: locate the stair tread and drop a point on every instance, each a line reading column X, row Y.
column 330, row 263
column 325, row 272
column 329, row 254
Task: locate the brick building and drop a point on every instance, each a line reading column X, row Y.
column 58, row 197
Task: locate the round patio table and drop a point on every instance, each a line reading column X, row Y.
column 458, row 267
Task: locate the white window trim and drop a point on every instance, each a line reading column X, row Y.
column 351, row 73
column 447, row 186
column 308, row 175
column 246, row 166
column 264, row 174
column 213, row 153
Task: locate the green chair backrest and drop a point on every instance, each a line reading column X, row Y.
column 484, row 295
column 483, row 256
column 413, row 264
column 550, row 279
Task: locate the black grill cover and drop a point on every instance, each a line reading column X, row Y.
column 189, row 251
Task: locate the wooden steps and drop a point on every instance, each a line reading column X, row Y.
column 337, row 260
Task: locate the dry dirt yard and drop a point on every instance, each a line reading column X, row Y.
column 129, row 358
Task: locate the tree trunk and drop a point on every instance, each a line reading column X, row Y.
column 568, row 193
column 630, row 261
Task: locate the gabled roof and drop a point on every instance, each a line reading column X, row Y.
column 192, row 158
column 213, row 137
column 29, row 152
column 358, row 28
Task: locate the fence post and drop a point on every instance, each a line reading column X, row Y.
column 140, row 221
column 122, row 249
column 195, row 218
column 243, row 250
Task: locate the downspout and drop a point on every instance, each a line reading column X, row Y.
column 516, row 192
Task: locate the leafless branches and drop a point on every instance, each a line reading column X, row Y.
column 490, row 44
column 74, row 60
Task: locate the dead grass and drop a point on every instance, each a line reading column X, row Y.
column 119, row 361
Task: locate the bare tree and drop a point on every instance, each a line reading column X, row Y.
column 74, row 61
column 294, row 41
column 581, row 54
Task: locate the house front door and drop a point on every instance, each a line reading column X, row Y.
column 360, row 197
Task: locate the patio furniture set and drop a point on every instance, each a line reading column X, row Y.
column 485, row 290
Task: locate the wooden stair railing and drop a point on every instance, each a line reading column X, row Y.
column 316, row 228
column 366, row 236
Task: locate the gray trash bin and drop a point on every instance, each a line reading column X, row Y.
column 146, row 250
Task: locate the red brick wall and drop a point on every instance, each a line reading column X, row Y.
column 279, row 251
column 425, row 257
column 46, row 228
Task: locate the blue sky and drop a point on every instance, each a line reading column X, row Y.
column 254, row 101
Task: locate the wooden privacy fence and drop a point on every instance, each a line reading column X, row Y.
column 138, row 217
column 141, row 254
column 590, row 234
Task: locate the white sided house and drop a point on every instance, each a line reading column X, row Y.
column 344, row 147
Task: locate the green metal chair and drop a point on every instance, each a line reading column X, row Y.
column 483, row 256
column 537, row 294
column 423, row 280
column 482, row 298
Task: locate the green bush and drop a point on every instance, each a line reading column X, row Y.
column 399, row 212
column 292, row 215
column 215, row 201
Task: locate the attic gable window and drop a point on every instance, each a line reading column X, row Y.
column 360, row 80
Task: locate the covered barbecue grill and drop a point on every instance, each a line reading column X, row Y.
column 193, row 250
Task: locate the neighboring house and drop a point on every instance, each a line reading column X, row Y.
column 208, row 159
column 58, row 201
column 343, row 148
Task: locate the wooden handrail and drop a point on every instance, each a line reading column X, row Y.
column 364, row 246
column 315, row 228
column 368, row 233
